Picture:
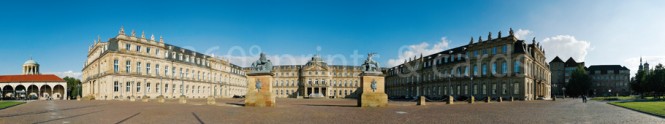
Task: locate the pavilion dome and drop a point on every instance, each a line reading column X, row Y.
column 30, row 62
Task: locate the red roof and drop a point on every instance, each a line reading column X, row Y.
column 30, row 78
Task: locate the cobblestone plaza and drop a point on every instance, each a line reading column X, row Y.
column 322, row 111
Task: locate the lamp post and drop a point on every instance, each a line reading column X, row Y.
column 564, row 92
column 609, row 92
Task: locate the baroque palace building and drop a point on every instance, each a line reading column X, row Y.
column 316, row 79
column 129, row 67
column 504, row 67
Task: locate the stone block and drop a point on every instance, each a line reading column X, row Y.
column 451, row 100
column 472, row 99
column 145, row 98
column 132, row 98
column 422, row 100
column 500, row 99
column 259, row 97
column 182, row 99
column 372, row 90
column 161, row 99
column 488, row 99
column 211, row 100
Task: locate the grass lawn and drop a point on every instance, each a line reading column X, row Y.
column 611, row 97
column 653, row 107
column 4, row 105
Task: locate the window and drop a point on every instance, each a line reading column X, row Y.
column 156, row 52
column 494, row 68
column 503, row 87
column 484, row 71
column 516, row 88
column 475, row 53
column 504, row 49
column 128, row 86
column 138, row 67
column 493, row 89
column 516, row 67
column 494, row 50
column 475, row 70
column 147, row 50
column 157, row 69
column 147, row 68
column 128, row 66
column 115, row 86
column 484, row 89
column 504, row 67
column 475, row 89
column 157, row 88
column 138, row 87
column 458, row 89
column 147, row 86
column 138, row 48
column 166, row 88
column 115, row 66
column 128, row 47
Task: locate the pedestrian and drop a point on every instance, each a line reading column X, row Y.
column 583, row 98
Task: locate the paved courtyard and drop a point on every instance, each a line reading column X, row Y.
column 320, row 111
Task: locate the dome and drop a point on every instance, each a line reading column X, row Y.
column 30, row 62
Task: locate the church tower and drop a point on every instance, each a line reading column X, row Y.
column 31, row 67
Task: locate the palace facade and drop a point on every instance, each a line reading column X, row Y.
column 316, row 79
column 504, row 67
column 129, row 67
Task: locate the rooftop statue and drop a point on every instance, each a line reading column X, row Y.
column 262, row 65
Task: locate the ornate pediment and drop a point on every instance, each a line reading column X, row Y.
column 316, row 67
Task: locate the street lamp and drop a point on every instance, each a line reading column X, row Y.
column 609, row 91
column 564, row 92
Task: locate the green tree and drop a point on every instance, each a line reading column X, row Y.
column 579, row 83
column 73, row 86
column 638, row 83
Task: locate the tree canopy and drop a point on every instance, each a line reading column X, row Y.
column 649, row 81
column 73, row 86
column 579, row 83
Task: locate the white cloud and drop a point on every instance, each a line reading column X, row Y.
column 522, row 33
column 69, row 73
column 566, row 46
column 423, row 48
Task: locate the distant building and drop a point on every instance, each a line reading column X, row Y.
column 609, row 80
column 643, row 66
column 316, row 79
column 497, row 67
column 32, row 84
column 561, row 72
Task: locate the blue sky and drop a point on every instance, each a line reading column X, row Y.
column 57, row 33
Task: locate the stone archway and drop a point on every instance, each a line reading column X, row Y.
column 45, row 91
column 33, row 92
column 58, row 92
column 7, row 92
column 22, row 90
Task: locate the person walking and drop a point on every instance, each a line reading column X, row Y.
column 583, row 98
